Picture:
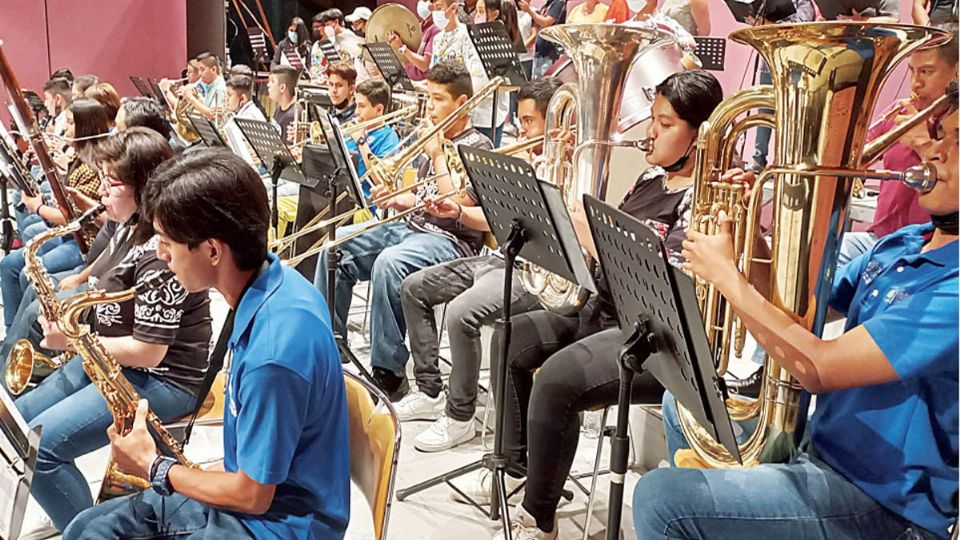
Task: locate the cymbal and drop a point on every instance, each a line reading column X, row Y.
column 390, row 18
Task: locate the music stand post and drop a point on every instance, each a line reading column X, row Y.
column 499, row 59
column 658, row 313
column 266, row 142
column 343, row 177
column 527, row 219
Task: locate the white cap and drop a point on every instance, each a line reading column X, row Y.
column 359, row 13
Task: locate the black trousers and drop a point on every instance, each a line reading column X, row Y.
column 577, row 358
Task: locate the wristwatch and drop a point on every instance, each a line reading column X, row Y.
column 158, row 475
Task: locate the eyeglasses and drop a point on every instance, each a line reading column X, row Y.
column 109, row 181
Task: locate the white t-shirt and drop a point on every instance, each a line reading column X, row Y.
column 235, row 139
column 525, row 22
column 456, row 46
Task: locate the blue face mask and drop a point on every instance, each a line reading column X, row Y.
column 293, row 37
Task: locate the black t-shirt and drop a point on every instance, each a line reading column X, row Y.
column 558, row 10
column 283, row 118
column 102, row 240
column 468, row 241
column 168, row 315
column 665, row 211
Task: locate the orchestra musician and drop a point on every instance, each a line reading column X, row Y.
column 471, row 289
column 57, row 95
column 281, row 87
column 161, row 340
column 294, row 49
column 87, row 124
column 192, row 72
column 931, row 70
column 341, row 84
column 575, row 357
column 390, row 252
column 372, row 101
column 880, row 457
column 240, row 104
column 291, row 480
column 212, row 89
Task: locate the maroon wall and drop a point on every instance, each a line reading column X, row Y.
column 112, row 39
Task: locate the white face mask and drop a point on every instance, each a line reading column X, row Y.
column 423, row 9
column 440, row 19
column 636, row 5
column 329, row 32
column 293, row 37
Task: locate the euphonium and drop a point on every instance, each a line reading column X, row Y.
column 106, row 374
column 826, row 80
column 23, row 357
column 603, row 55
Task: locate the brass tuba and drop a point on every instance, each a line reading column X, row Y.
column 106, row 374
column 603, row 55
column 826, row 80
column 23, row 357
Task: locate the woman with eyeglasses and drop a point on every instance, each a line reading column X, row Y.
column 161, row 339
column 88, row 123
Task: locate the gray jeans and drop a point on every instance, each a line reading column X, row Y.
column 473, row 287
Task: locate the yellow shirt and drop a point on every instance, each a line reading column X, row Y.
column 579, row 14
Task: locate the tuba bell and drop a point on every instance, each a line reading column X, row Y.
column 603, row 55
column 826, row 80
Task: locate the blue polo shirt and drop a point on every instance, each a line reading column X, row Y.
column 285, row 422
column 381, row 141
column 898, row 441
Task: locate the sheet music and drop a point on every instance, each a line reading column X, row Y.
column 568, row 235
column 9, row 481
column 13, row 454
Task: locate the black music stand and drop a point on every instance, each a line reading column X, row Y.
column 329, row 51
column 159, row 93
column 499, row 58
column 272, row 151
column 142, row 86
column 663, row 333
column 344, row 176
column 527, row 217
column 209, row 134
column 385, row 58
column 18, row 459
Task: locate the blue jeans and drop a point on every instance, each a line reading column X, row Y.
column 855, row 244
column 540, row 65
column 383, row 256
column 75, row 418
column 762, row 144
column 149, row 515
column 58, row 255
column 802, row 499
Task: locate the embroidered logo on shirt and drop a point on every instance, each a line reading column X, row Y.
column 895, row 295
column 872, row 270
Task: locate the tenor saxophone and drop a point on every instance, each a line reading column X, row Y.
column 23, row 357
column 107, row 375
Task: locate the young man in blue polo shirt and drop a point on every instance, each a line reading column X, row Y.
column 882, row 457
column 286, row 470
column 373, row 100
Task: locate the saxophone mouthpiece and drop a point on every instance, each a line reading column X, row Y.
column 154, row 281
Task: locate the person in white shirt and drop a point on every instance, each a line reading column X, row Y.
column 56, row 98
column 358, row 19
column 348, row 44
column 241, row 105
column 453, row 44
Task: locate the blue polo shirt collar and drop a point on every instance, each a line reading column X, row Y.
column 918, row 236
column 259, row 292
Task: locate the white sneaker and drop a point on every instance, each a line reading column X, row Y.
column 38, row 528
column 524, row 527
column 479, row 486
column 419, row 406
column 444, row 434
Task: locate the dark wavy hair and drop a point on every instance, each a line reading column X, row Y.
column 692, row 94
column 211, row 193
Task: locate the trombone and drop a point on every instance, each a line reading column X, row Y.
column 352, row 128
column 385, row 170
column 457, row 173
